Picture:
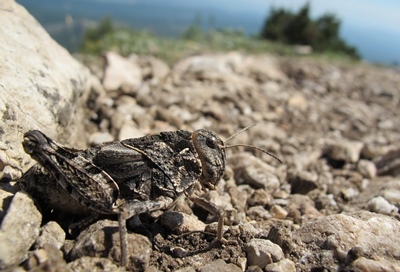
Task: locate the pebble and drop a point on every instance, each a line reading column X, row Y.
column 285, row 265
column 98, row 138
column 181, row 222
column 51, row 233
column 90, row 242
column 380, row 205
column 344, row 150
column 261, row 252
column 19, row 230
column 367, row 169
column 278, row 212
column 220, row 265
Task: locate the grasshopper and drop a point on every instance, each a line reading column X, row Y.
column 132, row 176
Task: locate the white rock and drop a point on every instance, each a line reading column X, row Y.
column 345, row 150
column 42, row 87
column 285, row 265
column 181, row 222
column 262, row 252
column 51, row 233
column 98, row 138
column 278, row 212
column 366, row 168
column 380, row 205
column 298, row 101
column 121, row 73
column 19, row 230
column 377, row 234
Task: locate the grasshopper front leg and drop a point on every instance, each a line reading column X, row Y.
column 214, row 210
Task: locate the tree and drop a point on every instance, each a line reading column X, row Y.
column 298, row 28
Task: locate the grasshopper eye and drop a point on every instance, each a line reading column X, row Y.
column 211, row 142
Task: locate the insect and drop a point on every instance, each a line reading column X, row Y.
column 132, row 176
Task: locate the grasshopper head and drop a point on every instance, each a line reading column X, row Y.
column 34, row 140
column 211, row 151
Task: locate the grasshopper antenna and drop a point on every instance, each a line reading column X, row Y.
column 237, row 133
column 250, row 146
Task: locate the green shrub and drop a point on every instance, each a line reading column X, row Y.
column 321, row 34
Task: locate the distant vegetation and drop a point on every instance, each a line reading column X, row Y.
column 322, row 34
column 281, row 30
column 106, row 36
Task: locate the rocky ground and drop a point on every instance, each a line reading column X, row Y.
column 332, row 205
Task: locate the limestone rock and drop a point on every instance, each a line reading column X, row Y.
column 366, row 168
column 344, row 150
column 284, row 265
column 261, row 252
column 42, row 87
column 336, row 235
column 253, row 171
column 380, row 205
column 48, row 258
column 219, row 265
column 95, row 264
column 181, row 222
column 19, row 230
column 51, row 233
column 102, row 240
column 121, row 74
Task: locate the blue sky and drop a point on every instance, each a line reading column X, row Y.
column 373, row 26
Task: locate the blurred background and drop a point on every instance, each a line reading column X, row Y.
column 359, row 29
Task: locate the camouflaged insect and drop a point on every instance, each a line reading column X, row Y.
column 127, row 178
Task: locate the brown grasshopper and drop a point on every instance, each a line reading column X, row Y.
column 132, row 176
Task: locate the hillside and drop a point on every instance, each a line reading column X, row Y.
column 331, row 204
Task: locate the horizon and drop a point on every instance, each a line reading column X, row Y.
column 368, row 25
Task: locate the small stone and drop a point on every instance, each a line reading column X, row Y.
column 380, row 205
column 51, row 233
column 121, row 73
column 258, row 213
column 98, row 138
column 392, row 195
column 298, row 101
column 220, row 265
column 129, row 130
column 258, row 177
column 259, row 197
column 19, row 230
column 303, row 182
column 102, row 240
column 344, row 150
column 95, row 264
column 367, row 169
column 181, row 222
column 186, row 269
column 278, row 212
column 48, row 258
column 262, row 252
column 350, row 193
column 248, row 230
column 285, row 265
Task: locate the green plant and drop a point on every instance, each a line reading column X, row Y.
column 298, row 28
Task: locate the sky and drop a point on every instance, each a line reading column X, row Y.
column 373, row 26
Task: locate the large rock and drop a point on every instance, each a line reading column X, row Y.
column 340, row 239
column 42, row 87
